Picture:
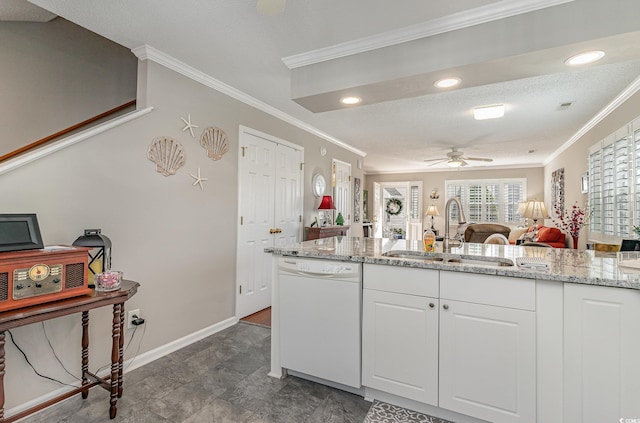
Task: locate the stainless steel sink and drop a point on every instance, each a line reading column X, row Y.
column 414, row 255
column 449, row 258
column 481, row 261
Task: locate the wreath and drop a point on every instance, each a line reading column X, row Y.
column 394, row 206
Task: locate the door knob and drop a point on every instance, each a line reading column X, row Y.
column 272, row 231
column 445, row 306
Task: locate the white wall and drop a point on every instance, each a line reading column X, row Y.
column 179, row 242
column 575, row 162
column 56, row 74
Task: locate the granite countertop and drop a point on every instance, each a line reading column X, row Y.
column 565, row 265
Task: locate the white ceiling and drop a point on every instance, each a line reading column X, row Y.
column 390, row 53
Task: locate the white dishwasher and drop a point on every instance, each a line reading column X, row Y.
column 320, row 309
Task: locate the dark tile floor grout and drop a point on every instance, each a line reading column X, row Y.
column 222, row 378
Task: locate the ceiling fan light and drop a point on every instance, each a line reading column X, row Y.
column 454, row 163
column 447, row 82
column 489, row 112
column 270, row 7
column 584, row 58
column 350, row 100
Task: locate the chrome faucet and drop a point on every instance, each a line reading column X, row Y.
column 461, row 221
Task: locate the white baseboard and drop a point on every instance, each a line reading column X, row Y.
column 135, row 362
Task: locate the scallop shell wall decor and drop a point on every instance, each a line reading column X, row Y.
column 168, row 155
column 215, row 141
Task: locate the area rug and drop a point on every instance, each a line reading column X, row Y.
column 381, row 412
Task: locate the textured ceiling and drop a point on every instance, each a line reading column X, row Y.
column 508, row 51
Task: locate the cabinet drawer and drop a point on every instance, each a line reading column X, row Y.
column 403, row 280
column 494, row 290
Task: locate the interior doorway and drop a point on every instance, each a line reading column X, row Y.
column 399, row 210
column 341, row 185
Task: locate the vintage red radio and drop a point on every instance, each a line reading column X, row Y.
column 37, row 276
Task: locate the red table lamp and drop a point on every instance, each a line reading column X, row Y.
column 327, row 204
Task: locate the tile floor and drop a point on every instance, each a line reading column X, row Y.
column 222, row 378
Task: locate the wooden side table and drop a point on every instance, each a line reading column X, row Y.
column 82, row 304
column 326, row 231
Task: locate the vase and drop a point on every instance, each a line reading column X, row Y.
column 575, row 241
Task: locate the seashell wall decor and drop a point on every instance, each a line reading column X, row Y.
column 168, row 155
column 215, row 141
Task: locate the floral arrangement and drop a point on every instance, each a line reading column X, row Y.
column 572, row 220
column 636, row 230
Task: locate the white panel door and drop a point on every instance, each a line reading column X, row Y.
column 270, row 206
column 377, row 211
column 288, row 196
column 342, row 189
column 400, row 345
column 487, row 361
column 601, row 350
column 257, row 207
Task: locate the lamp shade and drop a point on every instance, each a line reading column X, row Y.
column 535, row 210
column 432, row 211
column 326, row 203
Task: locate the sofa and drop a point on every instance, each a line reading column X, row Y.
column 553, row 237
column 479, row 232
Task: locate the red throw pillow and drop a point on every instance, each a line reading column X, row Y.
column 546, row 234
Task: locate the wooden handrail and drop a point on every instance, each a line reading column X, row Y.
column 67, row 130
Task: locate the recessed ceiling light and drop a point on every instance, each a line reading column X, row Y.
column 488, row 112
column 584, row 58
column 350, row 100
column 447, row 82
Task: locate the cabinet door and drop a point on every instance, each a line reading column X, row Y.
column 487, row 361
column 601, row 349
column 400, row 345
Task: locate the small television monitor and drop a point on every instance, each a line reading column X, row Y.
column 19, row 232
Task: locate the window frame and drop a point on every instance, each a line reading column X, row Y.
column 481, row 193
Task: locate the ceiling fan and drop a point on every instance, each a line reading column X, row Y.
column 270, row 7
column 456, row 158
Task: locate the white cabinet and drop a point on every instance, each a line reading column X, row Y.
column 601, row 354
column 400, row 331
column 487, row 361
column 466, row 344
column 488, row 347
column 399, row 344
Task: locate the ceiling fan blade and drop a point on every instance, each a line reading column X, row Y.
column 481, row 159
column 463, row 163
column 436, row 160
column 270, row 7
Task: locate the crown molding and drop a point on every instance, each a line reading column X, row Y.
column 147, row 52
column 606, row 111
column 480, row 15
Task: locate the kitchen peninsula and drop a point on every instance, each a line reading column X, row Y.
column 466, row 335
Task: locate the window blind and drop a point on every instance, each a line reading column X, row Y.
column 485, row 200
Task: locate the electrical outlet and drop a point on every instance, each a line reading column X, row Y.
column 130, row 317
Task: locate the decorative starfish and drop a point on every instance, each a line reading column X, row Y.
column 198, row 180
column 189, row 125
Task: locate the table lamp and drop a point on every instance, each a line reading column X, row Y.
column 535, row 210
column 432, row 211
column 327, row 204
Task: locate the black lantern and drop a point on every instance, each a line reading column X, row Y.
column 99, row 255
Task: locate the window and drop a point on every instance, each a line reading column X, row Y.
column 485, row 200
column 614, row 185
